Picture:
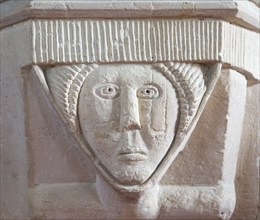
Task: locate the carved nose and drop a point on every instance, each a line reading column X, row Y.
column 129, row 118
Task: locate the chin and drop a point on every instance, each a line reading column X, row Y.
column 133, row 175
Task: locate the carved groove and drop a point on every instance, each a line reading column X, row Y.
column 123, row 40
column 141, row 40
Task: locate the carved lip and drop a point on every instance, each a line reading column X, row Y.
column 132, row 156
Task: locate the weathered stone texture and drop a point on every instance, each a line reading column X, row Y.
column 130, row 110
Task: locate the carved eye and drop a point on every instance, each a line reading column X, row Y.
column 107, row 91
column 148, row 92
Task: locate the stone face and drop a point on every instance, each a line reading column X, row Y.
column 127, row 113
column 146, row 112
column 124, row 116
column 127, row 116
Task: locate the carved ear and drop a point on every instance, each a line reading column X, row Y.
column 62, row 85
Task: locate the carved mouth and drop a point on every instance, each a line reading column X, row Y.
column 132, row 156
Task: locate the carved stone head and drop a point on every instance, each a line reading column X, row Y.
column 127, row 114
column 131, row 119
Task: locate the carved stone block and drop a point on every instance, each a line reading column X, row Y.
column 129, row 115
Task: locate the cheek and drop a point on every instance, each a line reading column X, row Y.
column 99, row 122
column 158, row 113
column 103, row 143
column 158, row 119
column 145, row 107
column 106, row 110
column 153, row 114
column 100, row 115
column 101, row 136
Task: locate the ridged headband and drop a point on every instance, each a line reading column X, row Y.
column 65, row 83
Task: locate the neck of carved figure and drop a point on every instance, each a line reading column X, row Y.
column 144, row 205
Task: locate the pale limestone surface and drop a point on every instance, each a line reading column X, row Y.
column 242, row 13
column 127, row 116
column 142, row 40
column 14, row 167
column 197, row 181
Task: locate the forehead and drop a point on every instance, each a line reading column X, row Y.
column 126, row 73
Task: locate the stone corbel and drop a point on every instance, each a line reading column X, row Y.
column 80, row 47
column 154, row 103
